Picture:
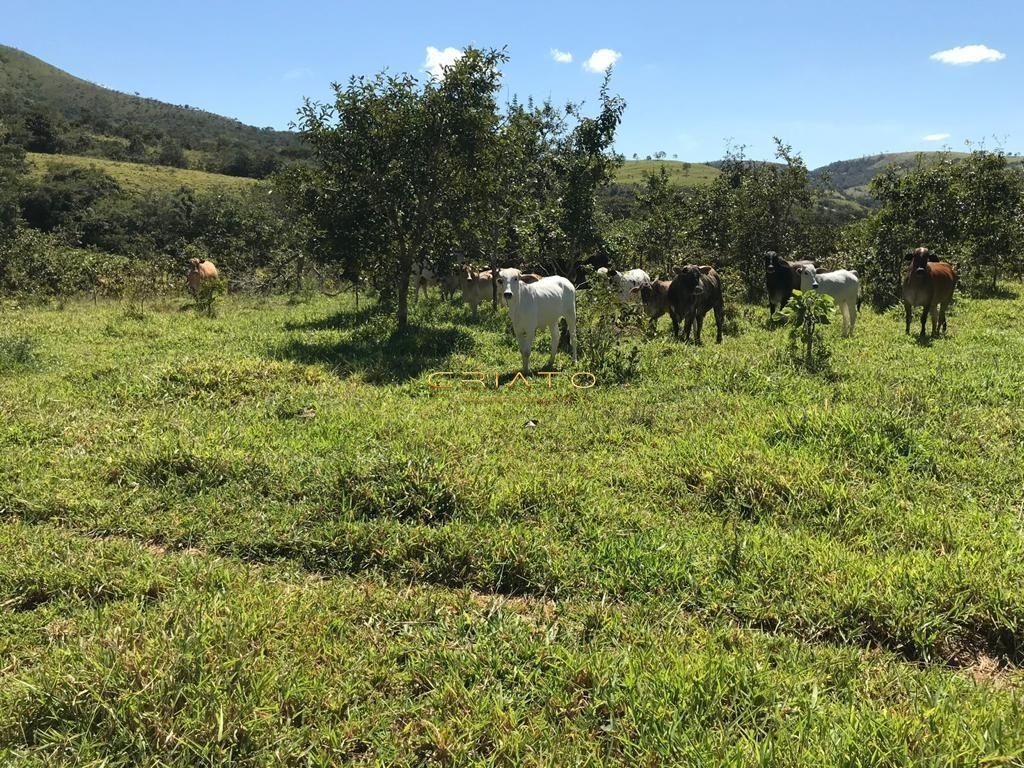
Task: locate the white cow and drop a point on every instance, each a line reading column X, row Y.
column 422, row 277
column 842, row 285
column 627, row 281
column 533, row 304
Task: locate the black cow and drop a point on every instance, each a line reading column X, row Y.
column 782, row 277
column 694, row 291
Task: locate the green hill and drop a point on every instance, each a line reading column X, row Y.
column 97, row 121
column 851, row 178
column 136, row 177
column 681, row 173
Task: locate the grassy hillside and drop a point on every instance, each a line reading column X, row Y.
column 101, row 116
column 136, row 177
column 852, row 177
column 267, row 540
column 683, row 174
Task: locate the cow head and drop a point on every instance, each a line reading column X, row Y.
column 919, row 258
column 509, row 284
column 689, row 278
column 808, row 276
column 771, row 260
column 195, row 263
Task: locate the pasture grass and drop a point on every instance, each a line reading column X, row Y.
column 680, row 173
column 262, row 538
column 139, row 178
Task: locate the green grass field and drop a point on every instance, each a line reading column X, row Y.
column 680, row 173
column 139, row 178
column 263, row 539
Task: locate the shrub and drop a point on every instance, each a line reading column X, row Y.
column 17, row 352
column 804, row 315
column 608, row 332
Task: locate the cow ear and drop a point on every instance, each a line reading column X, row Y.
column 635, row 289
column 528, row 278
column 934, row 257
column 909, row 256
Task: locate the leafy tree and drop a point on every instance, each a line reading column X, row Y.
column 969, row 209
column 660, row 222
column 172, row 154
column 43, row 132
column 585, row 163
column 64, row 196
column 754, row 207
column 394, row 154
column 12, row 168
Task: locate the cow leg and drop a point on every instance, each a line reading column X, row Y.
column 847, row 325
column 771, row 310
column 556, row 336
column 686, row 327
column 698, row 326
column 909, row 312
column 942, row 317
column 570, row 327
column 935, row 321
column 675, row 324
column 719, row 322
column 525, row 345
column 853, row 315
column 924, row 319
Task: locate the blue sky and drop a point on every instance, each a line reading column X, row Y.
column 834, row 80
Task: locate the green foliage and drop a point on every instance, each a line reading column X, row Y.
column 804, row 315
column 413, row 172
column 609, row 333
column 659, row 225
column 968, row 208
column 40, row 265
column 396, row 156
column 64, row 197
column 17, row 352
column 57, row 112
column 753, row 207
column 12, row 170
column 207, row 294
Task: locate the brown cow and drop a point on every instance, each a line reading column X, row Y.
column 929, row 284
column 201, row 271
column 694, row 291
column 654, row 296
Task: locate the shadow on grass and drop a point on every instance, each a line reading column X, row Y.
column 997, row 292
column 381, row 358
column 337, row 322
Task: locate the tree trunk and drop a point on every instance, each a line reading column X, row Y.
column 403, row 303
column 494, row 286
column 300, row 267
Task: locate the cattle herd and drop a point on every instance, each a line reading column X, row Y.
column 534, row 301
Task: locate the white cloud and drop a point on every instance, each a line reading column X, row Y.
column 562, row 57
column 601, row 59
column 437, row 60
column 968, row 54
column 298, row 73
column 936, row 137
